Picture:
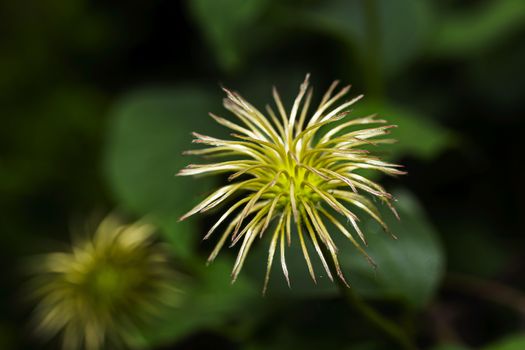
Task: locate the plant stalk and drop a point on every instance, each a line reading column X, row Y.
column 382, row 323
column 387, row 326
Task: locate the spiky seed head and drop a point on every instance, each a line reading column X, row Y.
column 102, row 290
column 298, row 167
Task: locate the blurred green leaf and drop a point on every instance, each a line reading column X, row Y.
column 410, row 268
column 479, row 29
column 211, row 303
column 149, row 130
column 514, row 342
column 224, row 24
column 402, row 27
column 405, row 27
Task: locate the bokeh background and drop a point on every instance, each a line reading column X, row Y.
column 98, row 99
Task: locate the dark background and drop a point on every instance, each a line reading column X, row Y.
column 86, row 87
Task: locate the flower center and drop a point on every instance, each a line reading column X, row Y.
column 302, row 178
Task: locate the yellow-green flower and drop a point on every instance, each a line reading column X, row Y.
column 295, row 166
column 102, row 290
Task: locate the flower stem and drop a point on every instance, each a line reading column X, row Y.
column 387, row 326
column 372, row 64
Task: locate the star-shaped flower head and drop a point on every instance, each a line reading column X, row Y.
column 99, row 293
column 295, row 167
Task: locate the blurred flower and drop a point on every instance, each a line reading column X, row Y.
column 305, row 170
column 104, row 289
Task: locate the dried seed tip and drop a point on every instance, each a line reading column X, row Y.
column 306, row 78
column 341, row 115
column 329, row 92
column 342, row 278
column 319, row 168
column 347, row 88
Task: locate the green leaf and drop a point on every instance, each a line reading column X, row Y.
column 514, row 342
column 211, row 303
column 148, row 131
column 225, row 23
column 398, row 29
column 471, row 32
column 409, row 268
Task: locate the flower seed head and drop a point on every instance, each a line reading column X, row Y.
column 104, row 288
column 294, row 169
